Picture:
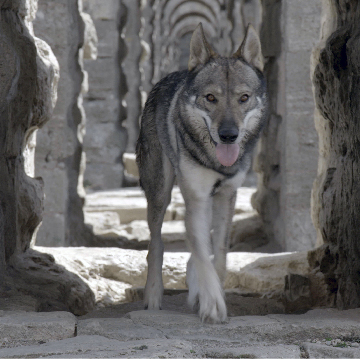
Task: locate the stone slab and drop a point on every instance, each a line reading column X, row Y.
column 320, row 351
column 322, row 323
column 260, row 351
column 94, row 346
column 35, row 326
column 289, row 329
column 172, row 334
column 122, row 329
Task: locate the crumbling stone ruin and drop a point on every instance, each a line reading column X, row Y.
column 99, row 60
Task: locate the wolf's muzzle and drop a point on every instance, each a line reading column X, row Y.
column 228, row 134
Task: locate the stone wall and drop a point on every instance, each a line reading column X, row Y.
column 336, row 192
column 59, row 158
column 288, row 151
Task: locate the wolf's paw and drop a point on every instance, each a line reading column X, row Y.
column 153, row 296
column 212, row 306
column 193, row 286
column 193, row 301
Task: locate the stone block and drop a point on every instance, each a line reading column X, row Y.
column 98, row 111
column 102, row 75
column 107, row 34
column 129, row 161
column 101, row 10
column 100, row 175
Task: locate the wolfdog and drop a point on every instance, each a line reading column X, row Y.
column 200, row 125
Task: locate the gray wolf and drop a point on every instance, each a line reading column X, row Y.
column 200, row 125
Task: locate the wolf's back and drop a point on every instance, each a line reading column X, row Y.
column 154, row 116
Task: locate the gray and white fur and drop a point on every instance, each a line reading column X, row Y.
column 201, row 125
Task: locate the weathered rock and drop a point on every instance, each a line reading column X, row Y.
column 288, row 150
column 336, row 193
column 263, row 273
column 110, row 271
column 51, row 284
column 59, row 158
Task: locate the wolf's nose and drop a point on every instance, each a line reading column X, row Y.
column 228, row 134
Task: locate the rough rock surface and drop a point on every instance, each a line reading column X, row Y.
column 336, row 193
column 172, row 334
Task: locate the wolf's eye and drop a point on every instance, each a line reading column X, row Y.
column 244, row 98
column 210, row 98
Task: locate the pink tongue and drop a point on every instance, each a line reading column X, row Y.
column 227, row 154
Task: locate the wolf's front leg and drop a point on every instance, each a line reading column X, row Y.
column 223, row 210
column 205, row 289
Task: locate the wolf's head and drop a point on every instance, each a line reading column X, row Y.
column 227, row 95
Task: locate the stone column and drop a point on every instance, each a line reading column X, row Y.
column 105, row 138
column 59, row 157
column 336, row 191
column 288, row 151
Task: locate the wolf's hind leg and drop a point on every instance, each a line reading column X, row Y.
column 158, row 194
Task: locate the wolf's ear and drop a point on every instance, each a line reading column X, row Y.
column 250, row 49
column 200, row 50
